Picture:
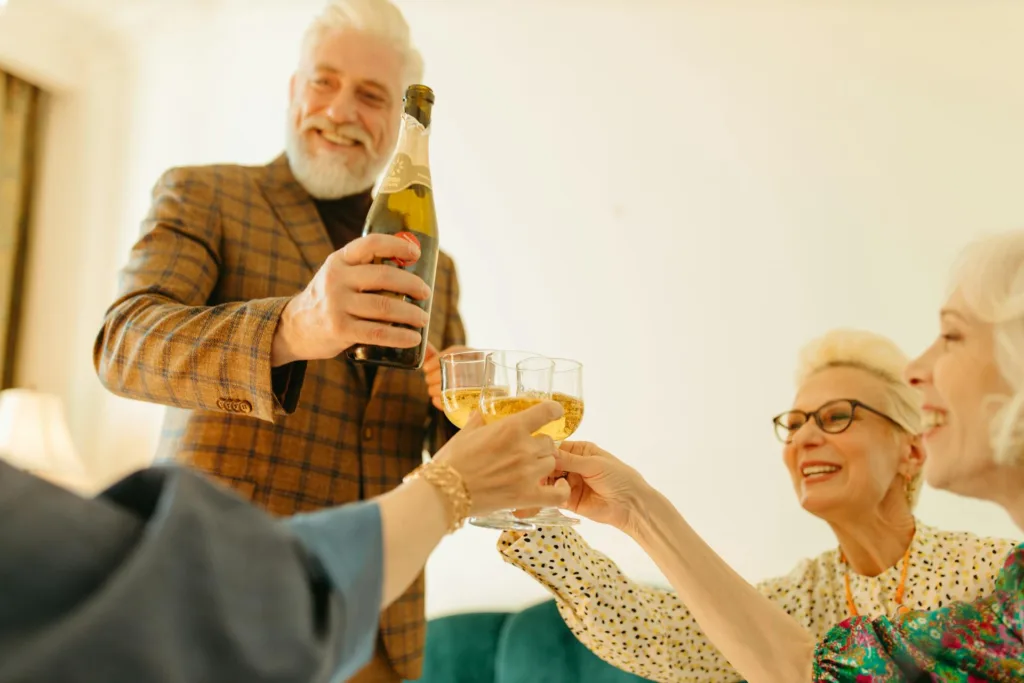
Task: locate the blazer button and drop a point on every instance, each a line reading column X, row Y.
column 368, row 433
column 234, row 406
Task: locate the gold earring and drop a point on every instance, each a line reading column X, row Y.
column 908, row 488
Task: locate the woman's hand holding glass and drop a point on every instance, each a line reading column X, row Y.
column 603, row 488
column 505, row 464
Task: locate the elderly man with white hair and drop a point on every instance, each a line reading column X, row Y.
column 248, row 284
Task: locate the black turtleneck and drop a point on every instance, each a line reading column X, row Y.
column 344, row 218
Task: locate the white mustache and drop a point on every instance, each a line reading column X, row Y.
column 347, row 130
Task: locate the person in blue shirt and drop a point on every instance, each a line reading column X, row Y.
column 167, row 577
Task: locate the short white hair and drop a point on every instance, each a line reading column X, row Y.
column 990, row 277
column 879, row 356
column 379, row 18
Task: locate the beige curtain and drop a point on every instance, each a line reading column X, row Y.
column 19, row 105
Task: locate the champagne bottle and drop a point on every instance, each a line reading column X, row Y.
column 404, row 206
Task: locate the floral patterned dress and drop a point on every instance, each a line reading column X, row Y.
column 970, row 642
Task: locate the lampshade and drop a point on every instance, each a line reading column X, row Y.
column 34, row 435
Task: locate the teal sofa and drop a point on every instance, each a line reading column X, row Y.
column 531, row 646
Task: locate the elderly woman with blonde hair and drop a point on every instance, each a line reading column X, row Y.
column 852, row 446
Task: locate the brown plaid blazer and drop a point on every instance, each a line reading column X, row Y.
column 221, row 251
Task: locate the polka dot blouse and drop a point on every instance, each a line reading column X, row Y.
column 650, row 632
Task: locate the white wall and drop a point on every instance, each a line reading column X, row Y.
column 677, row 194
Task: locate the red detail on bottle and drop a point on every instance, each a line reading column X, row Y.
column 411, row 238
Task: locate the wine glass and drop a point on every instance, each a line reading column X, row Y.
column 513, row 381
column 567, row 389
column 462, row 380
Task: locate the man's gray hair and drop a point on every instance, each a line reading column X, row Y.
column 379, row 18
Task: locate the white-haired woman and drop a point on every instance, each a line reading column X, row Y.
column 972, row 379
column 853, row 450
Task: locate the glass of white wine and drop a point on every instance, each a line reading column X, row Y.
column 513, row 381
column 567, row 389
column 462, row 380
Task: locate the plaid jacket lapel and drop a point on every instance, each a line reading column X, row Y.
column 295, row 208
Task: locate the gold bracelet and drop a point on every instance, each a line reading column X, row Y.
column 452, row 487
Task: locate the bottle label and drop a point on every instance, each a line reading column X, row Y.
column 403, row 173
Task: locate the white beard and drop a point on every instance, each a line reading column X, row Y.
column 327, row 176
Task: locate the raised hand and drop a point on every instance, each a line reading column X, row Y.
column 604, row 488
column 343, row 305
column 503, row 464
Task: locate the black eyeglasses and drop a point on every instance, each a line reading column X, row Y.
column 833, row 418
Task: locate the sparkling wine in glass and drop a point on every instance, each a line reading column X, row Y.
column 462, row 380
column 513, row 382
column 567, row 389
